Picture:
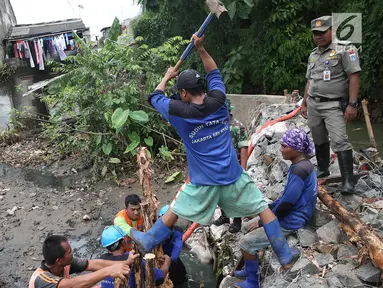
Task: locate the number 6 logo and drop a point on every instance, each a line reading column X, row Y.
column 347, row 27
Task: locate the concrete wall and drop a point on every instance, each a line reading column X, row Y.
column 246, row 106
column 7, row 20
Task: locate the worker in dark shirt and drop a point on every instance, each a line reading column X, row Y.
column 294, row 208
column 59, row 264
column 113, row 239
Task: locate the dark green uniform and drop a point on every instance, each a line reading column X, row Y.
column 239, row 135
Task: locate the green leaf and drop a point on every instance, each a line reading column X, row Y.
column 232, row 8
column 131, row 147
column 98, row 139
column 104, row 170
column 176, row 176
column 119, row 118
column 134, row 137
column 114, row 161
column 249, row 3
column 107, row 148
column 114, row 31
column 149, row 141
column 139, row 116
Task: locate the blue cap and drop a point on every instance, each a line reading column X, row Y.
column 111, row 235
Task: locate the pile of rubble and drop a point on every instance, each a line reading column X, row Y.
column 329, row 258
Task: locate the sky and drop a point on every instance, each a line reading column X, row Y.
column 96, row 14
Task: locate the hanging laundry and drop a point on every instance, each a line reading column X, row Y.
column 36, row 52
column 15, row 51
column 60, row 45
column 66, row 39
column 31, row 62
column 40, row 47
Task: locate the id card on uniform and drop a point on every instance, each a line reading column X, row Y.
column 326, row 75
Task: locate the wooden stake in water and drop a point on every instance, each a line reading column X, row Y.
column 368, row 124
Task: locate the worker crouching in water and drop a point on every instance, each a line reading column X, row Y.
column 294, row 208
column 113, row 239
column 58, row 265
column 130, row 217
column 172, row 247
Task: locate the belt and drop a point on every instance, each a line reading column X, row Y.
column 325, row 99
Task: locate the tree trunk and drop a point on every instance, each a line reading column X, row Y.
column 149, row 212
column 149, row 267
column 370, row 238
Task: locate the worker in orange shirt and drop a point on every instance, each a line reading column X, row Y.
column 130, row 217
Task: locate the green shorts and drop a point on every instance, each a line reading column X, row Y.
column 198, row 203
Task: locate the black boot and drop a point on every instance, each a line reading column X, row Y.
column 346, row 166
column 221, row 220
column 323, row 158
column 235, row 227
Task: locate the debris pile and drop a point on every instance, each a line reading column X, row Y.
column 330, row 257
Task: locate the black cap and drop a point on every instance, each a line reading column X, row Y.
column 190, row 79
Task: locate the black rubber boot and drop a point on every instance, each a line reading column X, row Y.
column 346, row 166
column 322, row 153
column 235, row 227
column 221, row 220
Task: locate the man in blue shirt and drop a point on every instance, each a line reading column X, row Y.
column 297, row 203
column 202, row 120
column 113, row 239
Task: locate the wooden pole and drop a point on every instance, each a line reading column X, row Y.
column 370, row 238
column 368, row 123
column 149, row 267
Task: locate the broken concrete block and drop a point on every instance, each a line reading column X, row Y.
column 373, row 193
column 320, row 218
column 218, row 231
column 307, row 237
column 346, row 273
column 375, row 180
column 229, row 281
column 368, row 273
column 323, row 259
column 346, row 253
column 362, row 186
column 309, row 282
column 330, row 232
column 304, row 266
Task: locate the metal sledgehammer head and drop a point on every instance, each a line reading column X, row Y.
column 216, row 7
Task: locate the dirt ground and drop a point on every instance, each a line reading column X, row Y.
column 38, row 199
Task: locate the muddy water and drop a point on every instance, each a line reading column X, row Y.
column 358, row 134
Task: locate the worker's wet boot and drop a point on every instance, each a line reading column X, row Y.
column 221, row 220
column 235, row 227
column 252, row 280
column 322, row 153
column 146, row 241
column 241, row 273
column 287, row 256
column 346, row 166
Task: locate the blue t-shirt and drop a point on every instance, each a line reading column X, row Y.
column 109, row 282
column 173, row 244
column 300, row 195
column 205, row 131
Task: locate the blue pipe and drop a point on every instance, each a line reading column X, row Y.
column 199, row 33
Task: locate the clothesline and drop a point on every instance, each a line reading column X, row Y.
column 38, row 49
column 44, row 35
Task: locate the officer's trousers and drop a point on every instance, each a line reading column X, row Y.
column 326, row 119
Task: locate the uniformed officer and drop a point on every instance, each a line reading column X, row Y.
column 330, row 99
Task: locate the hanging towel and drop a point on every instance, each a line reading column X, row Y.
column 31, row 62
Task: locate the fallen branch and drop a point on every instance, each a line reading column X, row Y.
column 149, row 267
column 370, row 238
